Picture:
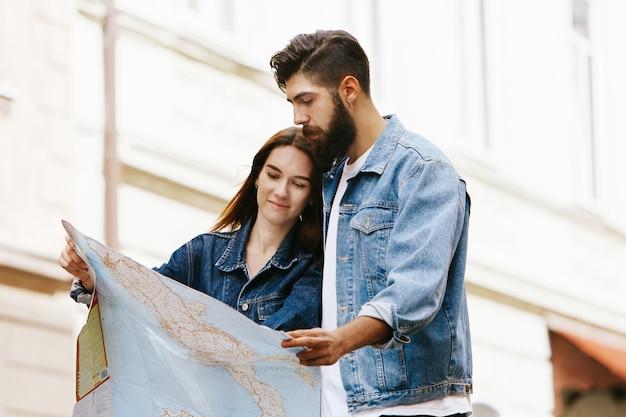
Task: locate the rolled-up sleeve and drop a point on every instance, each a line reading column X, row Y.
column 420, row 251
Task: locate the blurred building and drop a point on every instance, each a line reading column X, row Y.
column 526, row 97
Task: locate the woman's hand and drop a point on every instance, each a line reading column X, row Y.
column 72, row 263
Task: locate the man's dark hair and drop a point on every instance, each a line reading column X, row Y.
column 325, row 57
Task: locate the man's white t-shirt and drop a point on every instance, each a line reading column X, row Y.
column 333, row 392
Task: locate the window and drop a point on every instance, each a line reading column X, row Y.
column 215, row 16
column 586, row 166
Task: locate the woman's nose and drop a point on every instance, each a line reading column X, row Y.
column 282, row 189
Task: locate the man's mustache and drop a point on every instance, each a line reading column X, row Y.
column 308, row 130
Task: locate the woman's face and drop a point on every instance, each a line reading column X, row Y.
column 284, row 186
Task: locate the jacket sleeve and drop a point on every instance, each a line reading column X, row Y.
column 79, row 293
column 427, row 230
column 178, row 266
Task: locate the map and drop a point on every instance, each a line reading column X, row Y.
column 154, row 347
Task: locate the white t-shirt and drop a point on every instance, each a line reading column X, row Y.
column 333, row 392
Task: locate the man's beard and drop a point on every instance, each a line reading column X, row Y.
column 333, row 145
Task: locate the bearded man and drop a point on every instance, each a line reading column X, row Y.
column 395, row 338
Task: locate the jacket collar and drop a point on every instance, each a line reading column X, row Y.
column 234, row 257
column 382, row 150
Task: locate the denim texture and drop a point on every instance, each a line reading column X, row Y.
column 284, row 295
column 402, row 242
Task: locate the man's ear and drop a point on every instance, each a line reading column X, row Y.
column 349, row 89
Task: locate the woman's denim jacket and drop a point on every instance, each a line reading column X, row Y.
column 284, row 295
column 401, row 248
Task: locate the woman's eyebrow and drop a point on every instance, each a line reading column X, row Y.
column 302, row 177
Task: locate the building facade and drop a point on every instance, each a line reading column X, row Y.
column 526, row 97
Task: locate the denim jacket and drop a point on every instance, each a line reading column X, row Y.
column 284, row 295
column 401, row 250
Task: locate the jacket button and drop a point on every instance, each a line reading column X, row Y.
column 244, row 307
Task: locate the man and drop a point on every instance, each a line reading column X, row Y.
column 395, row 335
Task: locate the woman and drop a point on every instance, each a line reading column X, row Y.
column 263, row 256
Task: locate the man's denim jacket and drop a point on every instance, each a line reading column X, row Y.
column 284, row 295
column 401, row 253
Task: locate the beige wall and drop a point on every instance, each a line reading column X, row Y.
column 37, row 345
column 37, row 319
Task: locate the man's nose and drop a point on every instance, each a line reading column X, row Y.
column 300, row 117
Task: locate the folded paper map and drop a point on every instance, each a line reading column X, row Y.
column 154, row 347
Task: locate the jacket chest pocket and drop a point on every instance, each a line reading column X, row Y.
column 373, row 226
column 268, row 307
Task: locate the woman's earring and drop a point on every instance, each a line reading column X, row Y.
column 300, row 217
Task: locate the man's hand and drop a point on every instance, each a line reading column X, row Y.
column 325, row 348
column 322, row 347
